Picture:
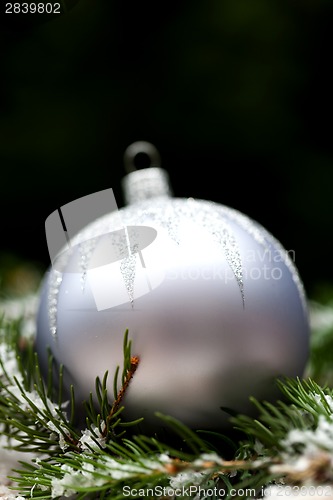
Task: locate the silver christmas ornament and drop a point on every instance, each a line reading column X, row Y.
column 213, row 303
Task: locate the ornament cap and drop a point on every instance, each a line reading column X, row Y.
column 145, row 183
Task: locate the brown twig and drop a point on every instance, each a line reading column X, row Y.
column 227, row 465
column 129, row 375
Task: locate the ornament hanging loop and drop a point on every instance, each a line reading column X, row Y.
column 142, row 184
column 141, row 148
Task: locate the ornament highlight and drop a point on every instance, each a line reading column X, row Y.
column 214, row 306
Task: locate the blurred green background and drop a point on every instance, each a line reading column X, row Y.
column 235, row 94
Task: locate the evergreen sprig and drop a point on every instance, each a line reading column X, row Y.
column 289, row 440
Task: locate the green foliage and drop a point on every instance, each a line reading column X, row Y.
column 109, row 460
column 321, row 353
column 304, row 403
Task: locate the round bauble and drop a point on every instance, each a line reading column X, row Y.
column 213, row 303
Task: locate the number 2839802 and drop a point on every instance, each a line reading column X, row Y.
column 32, row 8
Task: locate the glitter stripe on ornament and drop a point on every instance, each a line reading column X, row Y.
column 55, row 281
column 223, row 236
column 86, row 250
column 127, row 269
column 246, row 223
column 54, row 288
column 267, row 240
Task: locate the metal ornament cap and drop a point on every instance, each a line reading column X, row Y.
column 139, row 185
column 143, row 184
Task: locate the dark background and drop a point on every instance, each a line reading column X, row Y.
column 235, row 94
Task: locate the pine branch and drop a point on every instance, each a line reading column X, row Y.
column 289, row 441
column 131, row 363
